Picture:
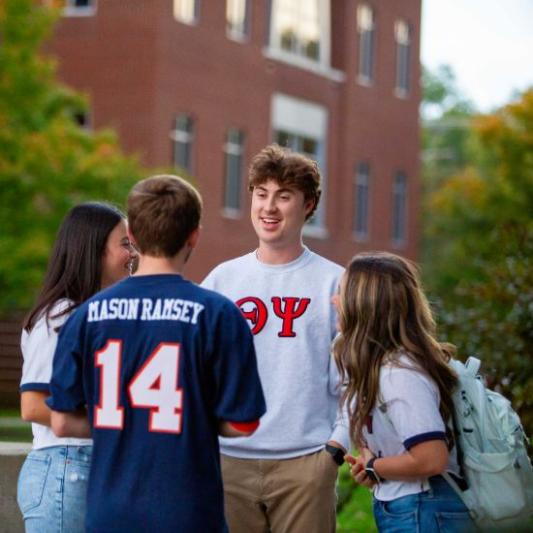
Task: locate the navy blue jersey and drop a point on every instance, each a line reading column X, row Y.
column 159, row 362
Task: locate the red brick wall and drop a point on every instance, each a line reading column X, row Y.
column 141, row 67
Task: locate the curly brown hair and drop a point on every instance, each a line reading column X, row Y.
column 288, row 169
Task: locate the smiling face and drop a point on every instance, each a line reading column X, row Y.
column 119, row 255
column 278, row 214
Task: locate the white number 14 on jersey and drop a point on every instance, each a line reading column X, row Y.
column 154, row 387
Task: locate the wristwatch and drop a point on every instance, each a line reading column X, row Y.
column 371, row 473
column 336, row 453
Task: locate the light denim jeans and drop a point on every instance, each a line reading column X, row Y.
column 52, row 489
column 438, row 509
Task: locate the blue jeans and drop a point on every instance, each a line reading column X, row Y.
column 438, row 509
column 52, row 489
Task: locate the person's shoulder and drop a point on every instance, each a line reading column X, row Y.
column 54, row 316
column 403, row 373
column 325, row 264
column 60, row 306
column 231, row 264
column 228, row 270
column 48, row 324
column 217, row 309
column 211, row 298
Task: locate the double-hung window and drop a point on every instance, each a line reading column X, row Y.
column 399, row 209
column 301, row 126
column 182, row 138
column 366, row 27
column 300, row 31
column 238, row 19
column 79, row 8
column 402, row 36
column 187, row 11
column 361, row 202
column 233, row 159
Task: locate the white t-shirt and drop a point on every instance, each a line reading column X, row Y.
column 38, row 347
column 289, row 310
column 410, row 400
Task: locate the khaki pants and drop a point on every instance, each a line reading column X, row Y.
column 280, row 496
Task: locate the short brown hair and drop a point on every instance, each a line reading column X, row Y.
column 289, row 169
column 163, row 211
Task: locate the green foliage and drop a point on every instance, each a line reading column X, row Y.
column 439, row 91
column 446, row 119
column 354, row 508
column 477, row 248
column 47, row 162
column 479, row 264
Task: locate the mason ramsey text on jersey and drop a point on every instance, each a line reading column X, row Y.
column 144, row 309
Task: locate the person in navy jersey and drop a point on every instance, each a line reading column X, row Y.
column 154, row 369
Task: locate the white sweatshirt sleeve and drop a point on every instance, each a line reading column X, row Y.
column 340, row 432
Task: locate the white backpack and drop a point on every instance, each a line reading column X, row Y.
column 492, row 444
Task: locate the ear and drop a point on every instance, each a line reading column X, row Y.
column 192, row 241
column 132, row 238
column 309, row 205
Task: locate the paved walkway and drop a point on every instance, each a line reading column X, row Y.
column 15, row 448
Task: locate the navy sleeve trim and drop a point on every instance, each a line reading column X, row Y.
column 39, row 387
column 424, row 437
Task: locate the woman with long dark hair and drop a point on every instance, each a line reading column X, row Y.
column 92, row 250
column 398, row 396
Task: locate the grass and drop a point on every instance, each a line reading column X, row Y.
column 15, row 434
column 9, row 412
column 354, row 511
column 12, row 427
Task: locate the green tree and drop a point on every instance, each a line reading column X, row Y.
column 446, row 117
column 47, row 162
column 481, row 227
column 446, row 138
column 477, row 247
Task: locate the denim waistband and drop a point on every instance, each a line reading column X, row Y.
column 77, row 453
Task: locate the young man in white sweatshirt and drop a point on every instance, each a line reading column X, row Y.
column 283, row 477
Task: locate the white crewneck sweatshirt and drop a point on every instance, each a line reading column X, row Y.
column 289, row 311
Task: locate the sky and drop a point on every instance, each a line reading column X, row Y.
column 488, row 44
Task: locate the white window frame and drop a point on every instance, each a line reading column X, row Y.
column 322, row 66
column 232, row 148
column 303, row 118
column 403, row 38
column 364, row 26
column 70, row 10
column 234, row 34
column 190, row 20
column 362, row 180
column 184, row 137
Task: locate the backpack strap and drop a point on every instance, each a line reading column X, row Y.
column 473, row 365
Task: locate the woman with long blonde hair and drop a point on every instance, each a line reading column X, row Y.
column 398, row 396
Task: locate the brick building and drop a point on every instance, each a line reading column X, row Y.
column 205, row 84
